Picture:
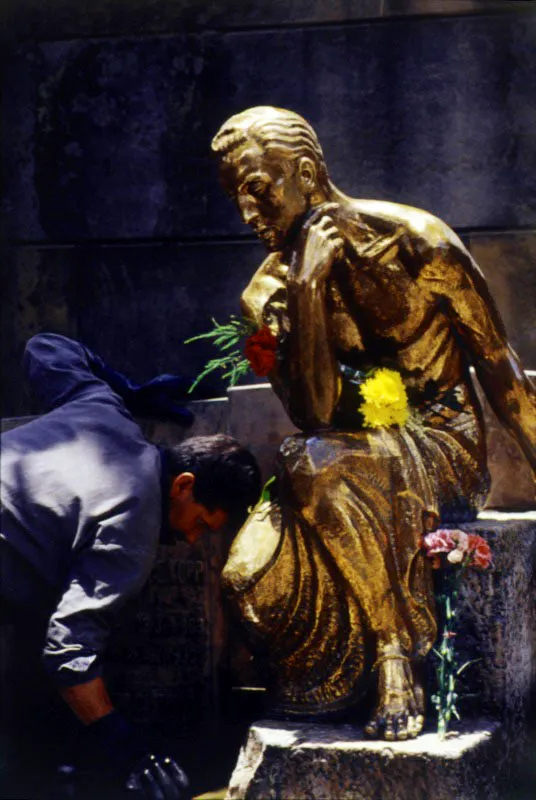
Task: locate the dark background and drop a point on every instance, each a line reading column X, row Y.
column 115, row 228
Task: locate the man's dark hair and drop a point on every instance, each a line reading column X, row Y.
column 227, row 475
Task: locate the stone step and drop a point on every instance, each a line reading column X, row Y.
column 297, row 761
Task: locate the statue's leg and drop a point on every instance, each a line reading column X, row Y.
column 305, row 632
column 366, row 510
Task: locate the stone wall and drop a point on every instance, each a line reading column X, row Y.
column 115, row 228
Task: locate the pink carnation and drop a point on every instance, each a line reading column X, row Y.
column 439, row 541
column 445, row 541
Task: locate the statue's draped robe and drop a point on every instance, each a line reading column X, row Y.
column 324, row 577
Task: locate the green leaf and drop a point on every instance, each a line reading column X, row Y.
column 265, row 493
column 467, row 665
column 225, row 337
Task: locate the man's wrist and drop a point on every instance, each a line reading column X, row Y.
column 89, row 701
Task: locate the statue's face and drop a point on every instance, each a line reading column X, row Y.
column 267, row 191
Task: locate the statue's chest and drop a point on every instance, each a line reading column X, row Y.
column 384, row 300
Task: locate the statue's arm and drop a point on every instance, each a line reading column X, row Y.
column 314, row 381
column 510, row 392
column 266, row 282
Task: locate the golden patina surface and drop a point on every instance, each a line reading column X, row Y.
column 330, row 579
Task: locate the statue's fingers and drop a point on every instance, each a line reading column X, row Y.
column 324, row 224
column 329, row 206
column 339, row 243
column 332, row 232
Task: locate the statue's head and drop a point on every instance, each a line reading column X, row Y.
column 272, row 166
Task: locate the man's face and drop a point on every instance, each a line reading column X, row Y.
column 267, row 191
column 188, row 517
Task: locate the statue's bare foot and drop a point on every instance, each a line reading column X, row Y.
column 399, row 713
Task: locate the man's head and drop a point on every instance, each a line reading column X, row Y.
column 272, row 166
column 213, row 480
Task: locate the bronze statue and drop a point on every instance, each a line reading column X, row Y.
column 330, row 581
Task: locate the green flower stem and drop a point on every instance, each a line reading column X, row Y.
column 447, row 669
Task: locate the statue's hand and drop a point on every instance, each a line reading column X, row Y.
column 321, row 246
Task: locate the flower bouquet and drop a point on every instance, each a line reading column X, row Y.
column 243, row 347
column 454, row 552
column 375, row 398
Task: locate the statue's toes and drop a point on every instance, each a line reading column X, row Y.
column 414, row 726
column 390, row 730
column 372, row 729
column 402, row 727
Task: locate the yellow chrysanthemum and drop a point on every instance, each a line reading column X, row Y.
column 385, row 400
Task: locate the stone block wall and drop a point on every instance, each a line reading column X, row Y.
column 115, row 228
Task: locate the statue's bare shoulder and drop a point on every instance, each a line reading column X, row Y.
column 384, row 215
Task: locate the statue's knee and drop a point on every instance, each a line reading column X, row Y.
column 303, row 467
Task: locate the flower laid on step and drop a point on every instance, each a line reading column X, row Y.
column 385, row 401
column 458, row 547
column 243, row 347
column 452, row 551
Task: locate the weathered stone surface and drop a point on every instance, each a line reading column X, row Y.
column 211, row 416
column 138, row 305
column 65, row 19
column 498, row 625
column 110, row 139
column 507, row 260
column 161, row 662
column 257, row 418
column 38, row 294
column 134, row 306
column 291, row 761
column 407, row 7
column 512, row 480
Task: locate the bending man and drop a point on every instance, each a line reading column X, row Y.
column 85, row 498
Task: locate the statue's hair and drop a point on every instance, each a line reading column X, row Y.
column 273, row 129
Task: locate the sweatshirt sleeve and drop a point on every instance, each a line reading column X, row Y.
column 104, row 574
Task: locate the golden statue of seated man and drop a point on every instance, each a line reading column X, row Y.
column 329, row 581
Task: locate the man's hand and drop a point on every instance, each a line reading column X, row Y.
column 126, row 754
column 158, row 778
column 322, row 246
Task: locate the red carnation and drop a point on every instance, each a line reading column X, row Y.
column 260, row 350
column 480, row 551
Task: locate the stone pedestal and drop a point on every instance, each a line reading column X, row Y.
column 289, row 761
column 498, row 627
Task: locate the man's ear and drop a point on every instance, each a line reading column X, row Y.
column 182, row 484
column 307, row 173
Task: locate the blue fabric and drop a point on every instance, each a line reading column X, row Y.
column 156, row 398
column 82, row 505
